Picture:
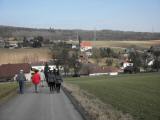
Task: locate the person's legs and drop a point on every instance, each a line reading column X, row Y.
column 41, row 83
column 21, row 85
column 54, row 85
column 59, row 87
column 46, row 76
column 36, row 88
column 50, row 86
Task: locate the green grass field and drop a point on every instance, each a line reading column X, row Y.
column 138, row 94
column 6, row 88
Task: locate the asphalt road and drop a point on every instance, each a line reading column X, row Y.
column 39, row 106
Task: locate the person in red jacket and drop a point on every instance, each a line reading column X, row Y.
column 36, row 80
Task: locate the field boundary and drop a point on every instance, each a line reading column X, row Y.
column 11, row 94
column 90, row 107
column 76, row 104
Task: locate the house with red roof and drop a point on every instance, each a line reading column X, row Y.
column 85, row 46
column 108, row 70
column 9, row 71
column 95, row 70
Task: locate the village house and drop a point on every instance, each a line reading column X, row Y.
column 108, row 70
column 95, row 70
column 85, row 45
column 126, row 64
column 8, row 72
column 41, row 64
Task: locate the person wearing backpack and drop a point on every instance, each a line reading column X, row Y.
column 46, row 72
column 20, row 79
column 58, row 82
column 51, row 80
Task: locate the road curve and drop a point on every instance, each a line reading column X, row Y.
column 39, row 106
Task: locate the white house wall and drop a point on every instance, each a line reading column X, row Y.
column 113, row 73
column 28, row 76
column 42, row 67
column 97, row 74
column 127, row 64
column 85, row 48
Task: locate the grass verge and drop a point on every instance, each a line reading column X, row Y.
column 8, row 90
column 94, row 108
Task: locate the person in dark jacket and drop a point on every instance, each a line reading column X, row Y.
column 46, row 72
column 58, row 81
column 21, row 78
column 51, row 80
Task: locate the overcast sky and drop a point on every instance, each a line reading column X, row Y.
column 127, row 15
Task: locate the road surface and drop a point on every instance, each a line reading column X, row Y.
column 39, row 106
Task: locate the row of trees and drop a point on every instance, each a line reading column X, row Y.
column 108, row 53
column 6, row 31
column 35, row 42
column 142, row 59
column 66, row 57
column 139, row 59
column 69, row 58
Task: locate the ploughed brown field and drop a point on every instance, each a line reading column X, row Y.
column 23, row 55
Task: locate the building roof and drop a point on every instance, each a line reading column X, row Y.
column 42, row 63
column 107, row 69
column 86, row 44
column 9, row 70
column 93, row 68
column 38, row 63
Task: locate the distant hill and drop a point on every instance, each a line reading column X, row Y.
column 59, row 34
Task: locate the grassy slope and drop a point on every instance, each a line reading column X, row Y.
column 138, row 94
column 7, row 90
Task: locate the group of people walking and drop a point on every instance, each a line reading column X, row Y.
column 51, row 77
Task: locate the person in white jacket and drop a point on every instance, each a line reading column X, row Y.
column 43, row 79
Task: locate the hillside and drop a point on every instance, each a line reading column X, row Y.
column 59, row 34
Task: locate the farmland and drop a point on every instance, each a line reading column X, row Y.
column 138, row 94
column 24, row 55
column 43, row 54
column 124, row 44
